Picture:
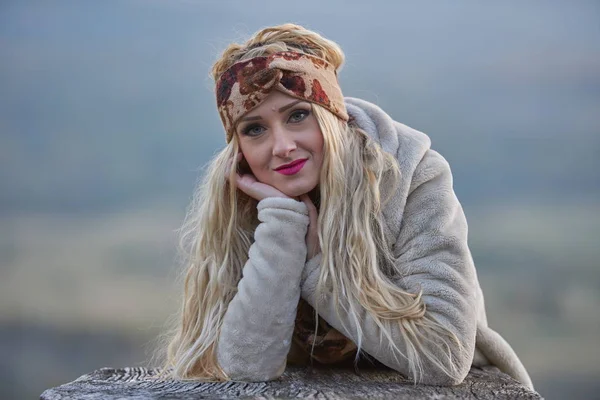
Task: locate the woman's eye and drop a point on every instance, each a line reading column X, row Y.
column 298, row 115
column 253, row 130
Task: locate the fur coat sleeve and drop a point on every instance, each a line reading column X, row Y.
column 257, row 327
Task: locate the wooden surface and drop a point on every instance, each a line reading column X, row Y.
column 297, row 382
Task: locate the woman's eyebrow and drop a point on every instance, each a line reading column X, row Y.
column 293, row 103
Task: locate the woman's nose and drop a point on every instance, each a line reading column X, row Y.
column 284, row 143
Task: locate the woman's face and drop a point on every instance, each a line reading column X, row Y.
column 280, row 131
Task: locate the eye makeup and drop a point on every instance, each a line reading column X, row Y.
column 247, row 130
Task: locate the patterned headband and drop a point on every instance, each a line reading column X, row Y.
column 247, row 83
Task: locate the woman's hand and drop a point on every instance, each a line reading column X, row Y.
column 312, row 235
column 248, row 184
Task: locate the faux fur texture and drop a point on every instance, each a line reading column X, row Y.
column 427, row 230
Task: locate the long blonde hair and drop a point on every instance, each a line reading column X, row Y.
column 356, row 261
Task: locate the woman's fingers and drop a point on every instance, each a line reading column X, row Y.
column 248, row 183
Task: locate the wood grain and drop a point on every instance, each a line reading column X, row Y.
column 297, row 382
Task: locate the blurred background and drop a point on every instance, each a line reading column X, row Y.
column 107, row 115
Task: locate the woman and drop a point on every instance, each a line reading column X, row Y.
column 324, row 231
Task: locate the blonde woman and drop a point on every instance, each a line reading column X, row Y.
column 325, row 232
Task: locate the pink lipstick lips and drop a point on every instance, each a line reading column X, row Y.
column 292, row 168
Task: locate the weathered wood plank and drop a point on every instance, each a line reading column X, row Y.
column 297, row 382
